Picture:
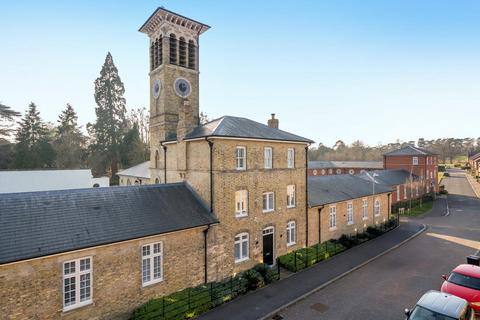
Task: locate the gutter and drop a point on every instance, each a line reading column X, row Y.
column 320, row 224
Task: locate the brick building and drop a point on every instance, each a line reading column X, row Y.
column 344, row 204
column 417, row 161
column 222, row 197
column 322, row 168
column 403, row 185
column 474, row 162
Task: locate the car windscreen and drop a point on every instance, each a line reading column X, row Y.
column 420, row 313
column 464, row 281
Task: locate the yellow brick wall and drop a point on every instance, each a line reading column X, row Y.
column 342, row 227
column 33, row 289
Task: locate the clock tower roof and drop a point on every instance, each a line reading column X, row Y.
column 163, row 15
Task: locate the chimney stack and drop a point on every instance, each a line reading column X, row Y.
column 273, row 123
column 186, row 121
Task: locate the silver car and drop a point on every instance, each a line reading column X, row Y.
column 436, row 305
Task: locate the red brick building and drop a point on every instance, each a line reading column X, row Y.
column 326, row 168
column 404, row 186
column 474, row 162
column 417, row 161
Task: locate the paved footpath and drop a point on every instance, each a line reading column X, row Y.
column 262, row 303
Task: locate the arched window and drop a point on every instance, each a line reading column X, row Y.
column 96, row 185
column 191, row 54
column 157, row 158
column 155, row 53
column 160, row 51
column 152, row 56
column 173, row 49
column 182, row 50
column 157, row 181
column 129, row 183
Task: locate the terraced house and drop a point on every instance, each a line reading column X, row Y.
column 225, row 196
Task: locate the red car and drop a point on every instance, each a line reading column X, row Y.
column 464, row 282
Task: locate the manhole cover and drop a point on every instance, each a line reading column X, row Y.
column 277, row 317
column 320, row 307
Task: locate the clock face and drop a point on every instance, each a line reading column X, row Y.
column 157, row 87
column 182, row 87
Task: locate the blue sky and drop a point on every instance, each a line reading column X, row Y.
column 370, row 70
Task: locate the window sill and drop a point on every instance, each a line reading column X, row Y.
column 291, row 207
column 332, row 229
column 242, row 260
column 377, row 214
column 349, row 223
column 76, row 306
column 241, row 169
column 291, row 244
column 243, row 215
column 267, row 211
column 149, row 283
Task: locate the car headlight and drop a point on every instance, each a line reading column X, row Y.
column 476, row 304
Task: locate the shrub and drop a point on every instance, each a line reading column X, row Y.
column 443, row 191
column 269, row 275
column 254, row 279
column 374, row 231
column 446, row 174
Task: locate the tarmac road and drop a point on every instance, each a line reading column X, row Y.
column 385, row 287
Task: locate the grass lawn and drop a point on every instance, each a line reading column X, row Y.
column 416, row 211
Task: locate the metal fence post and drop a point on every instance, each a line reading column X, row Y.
column 189, row 290
column 211, row 292
column 295, row 260
column 163, row 307
column 278, row 269
column 318, row 245
column 231, row 286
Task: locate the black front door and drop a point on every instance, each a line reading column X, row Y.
column 268, row 248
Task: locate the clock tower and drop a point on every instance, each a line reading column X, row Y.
column 174, row 74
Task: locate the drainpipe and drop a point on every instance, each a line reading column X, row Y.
column 210, row 144
column 320, row 224
column 306, row 196
column 205, row 235
column 164, row 162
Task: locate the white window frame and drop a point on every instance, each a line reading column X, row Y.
column 332, row 218
column 349, row 213
column 242, row 237
column 291, row 201
column 291, row 158
column 405, row 192
column 270, row 204
column 416, row 189
column 241, row 203
column 151, row 262
column 376, row 209
column 398, row 192
column 267, row 157
column 291, row 233
column 241, row 161
column 364, row 209
column 77, row 276
column 415, row 161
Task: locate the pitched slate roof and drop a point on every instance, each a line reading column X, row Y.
column 330, row 189
column 36, row 224
column 345, row 164
column 409, row 151
column 141, row 170
column 475, row 156
column 237, row 127
column 391, row 177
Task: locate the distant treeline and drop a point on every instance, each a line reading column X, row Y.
column 448, row 149
column 117, row 139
